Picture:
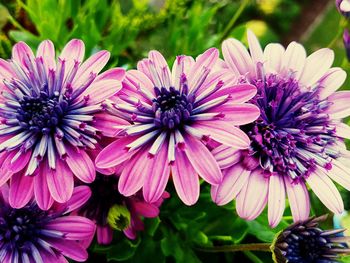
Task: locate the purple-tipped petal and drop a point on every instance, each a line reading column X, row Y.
column 46, row 50
column 339, row 108
column 299, row 201
column 332, row 81
column 20, row 53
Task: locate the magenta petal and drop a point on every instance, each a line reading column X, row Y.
column 73, row 50
column 6, row 70
column 73, row 227
column 325, row 190
column 79, row 197
column 239, row 114
column 107, row 124
column 60, row 182
column 81, row 165
column 202, row 160
column 21, row 190
column 41, row 190
column 299, row 200
column 104, row 235
column 157, row 177
column 69, row 248
column 146, row 209
column 16, row 165
column 20, row 53
column 249, row 205
column 136, row 170
column 276, row 199
column 235, row 178
column 226, row 156
column 224, row 133
column 185, row 179
column 114, row 154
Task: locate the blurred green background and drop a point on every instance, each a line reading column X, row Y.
column 129, row 29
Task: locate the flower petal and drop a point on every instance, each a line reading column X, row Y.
column 104, row 235
column 276, row 199
column 69, row 248
column 293, row 59
column 185, row 179
column 226, row 156
column 81, row 165
column 248, row 205
column 108, row 124
column 21, row 190
column 202, row 160
column 81, row 194
column 273, row 54
column 254, row 47
column 46, row 50
column 340, row 108
column 21, row 52
column 239, row 114
column 333, row 79
column 235, row 178
column 41, row 190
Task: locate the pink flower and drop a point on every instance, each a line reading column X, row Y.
column 171, row 115
column 51, row 111
column 298, row 138
column 29, row 234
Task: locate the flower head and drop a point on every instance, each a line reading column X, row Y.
column 171, row 115
column 343, row 7
column 29, row 234
column 305, row 242
column 298, row 137
column 111, row 210
column 49, row 117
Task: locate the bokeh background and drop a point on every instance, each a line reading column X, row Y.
column 129, row 29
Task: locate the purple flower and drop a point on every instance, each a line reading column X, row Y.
column 129, row 210
column 171, row 114
column 343, row 7
column 346, row 40
column 50, row 114
column 29, row 234
column 298, row 138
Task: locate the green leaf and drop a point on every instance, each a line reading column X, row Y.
column 123, row 250
column 151, row 225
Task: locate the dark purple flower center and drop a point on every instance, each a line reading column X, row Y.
column 293, row 132
column 22, row 230
column 172, row 109
column 41, row 113
column 104, row 194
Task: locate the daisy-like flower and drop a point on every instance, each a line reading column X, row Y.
column 29, row 234
column 50, row 113
column 111, row 210
column 171, row 113
column 298, row 138
column 305, row 242
column 343, row 6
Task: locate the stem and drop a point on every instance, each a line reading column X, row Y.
column 342, row 25
column 233, row 20
column 238, row 247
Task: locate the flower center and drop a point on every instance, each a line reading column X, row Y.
column 172, row 108
column 42, row 113
column 293, row 132
column 104, row 195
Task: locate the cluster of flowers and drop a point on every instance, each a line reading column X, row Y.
column 83, row 152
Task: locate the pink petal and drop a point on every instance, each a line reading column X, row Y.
column 146, row 209
column 157, row 178
column 107, row 124
column 69, row 248
column 237, row 57
column 114, row 154
column 160, row 65
column 340, row 173
column 299, row 201
column 276, row 199
column 224, row 133
column 185, row 179
column 21, row 190
column 249, row 205
column 41, row 190
column 73, row 227
column 104, row 235
column 238, row 114
column 81, row 165
column 60, row 182
column 273, row 54
column 46, row 50
column 340, row 108
column 235, row 178
column 254, row 47
column 325, row 190
column 105, row 85
column 16, row 165
column 73, row 51
column 343, row 130
column 20, row 52
column 323, row 58
column 182, row 64
column 93, row 64
column 202, row 160
column 81, row 194
column 226, row 156
column 334, row 78
column 6, row 71
column 133, row 176
column 294, row 59
column 140, row 81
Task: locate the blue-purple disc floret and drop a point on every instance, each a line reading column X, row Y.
column 294, row 133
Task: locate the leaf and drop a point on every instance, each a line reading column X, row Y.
column 123, row 250
column 151, row 225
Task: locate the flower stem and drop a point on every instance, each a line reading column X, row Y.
column 238, row 247
column 233, row 20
